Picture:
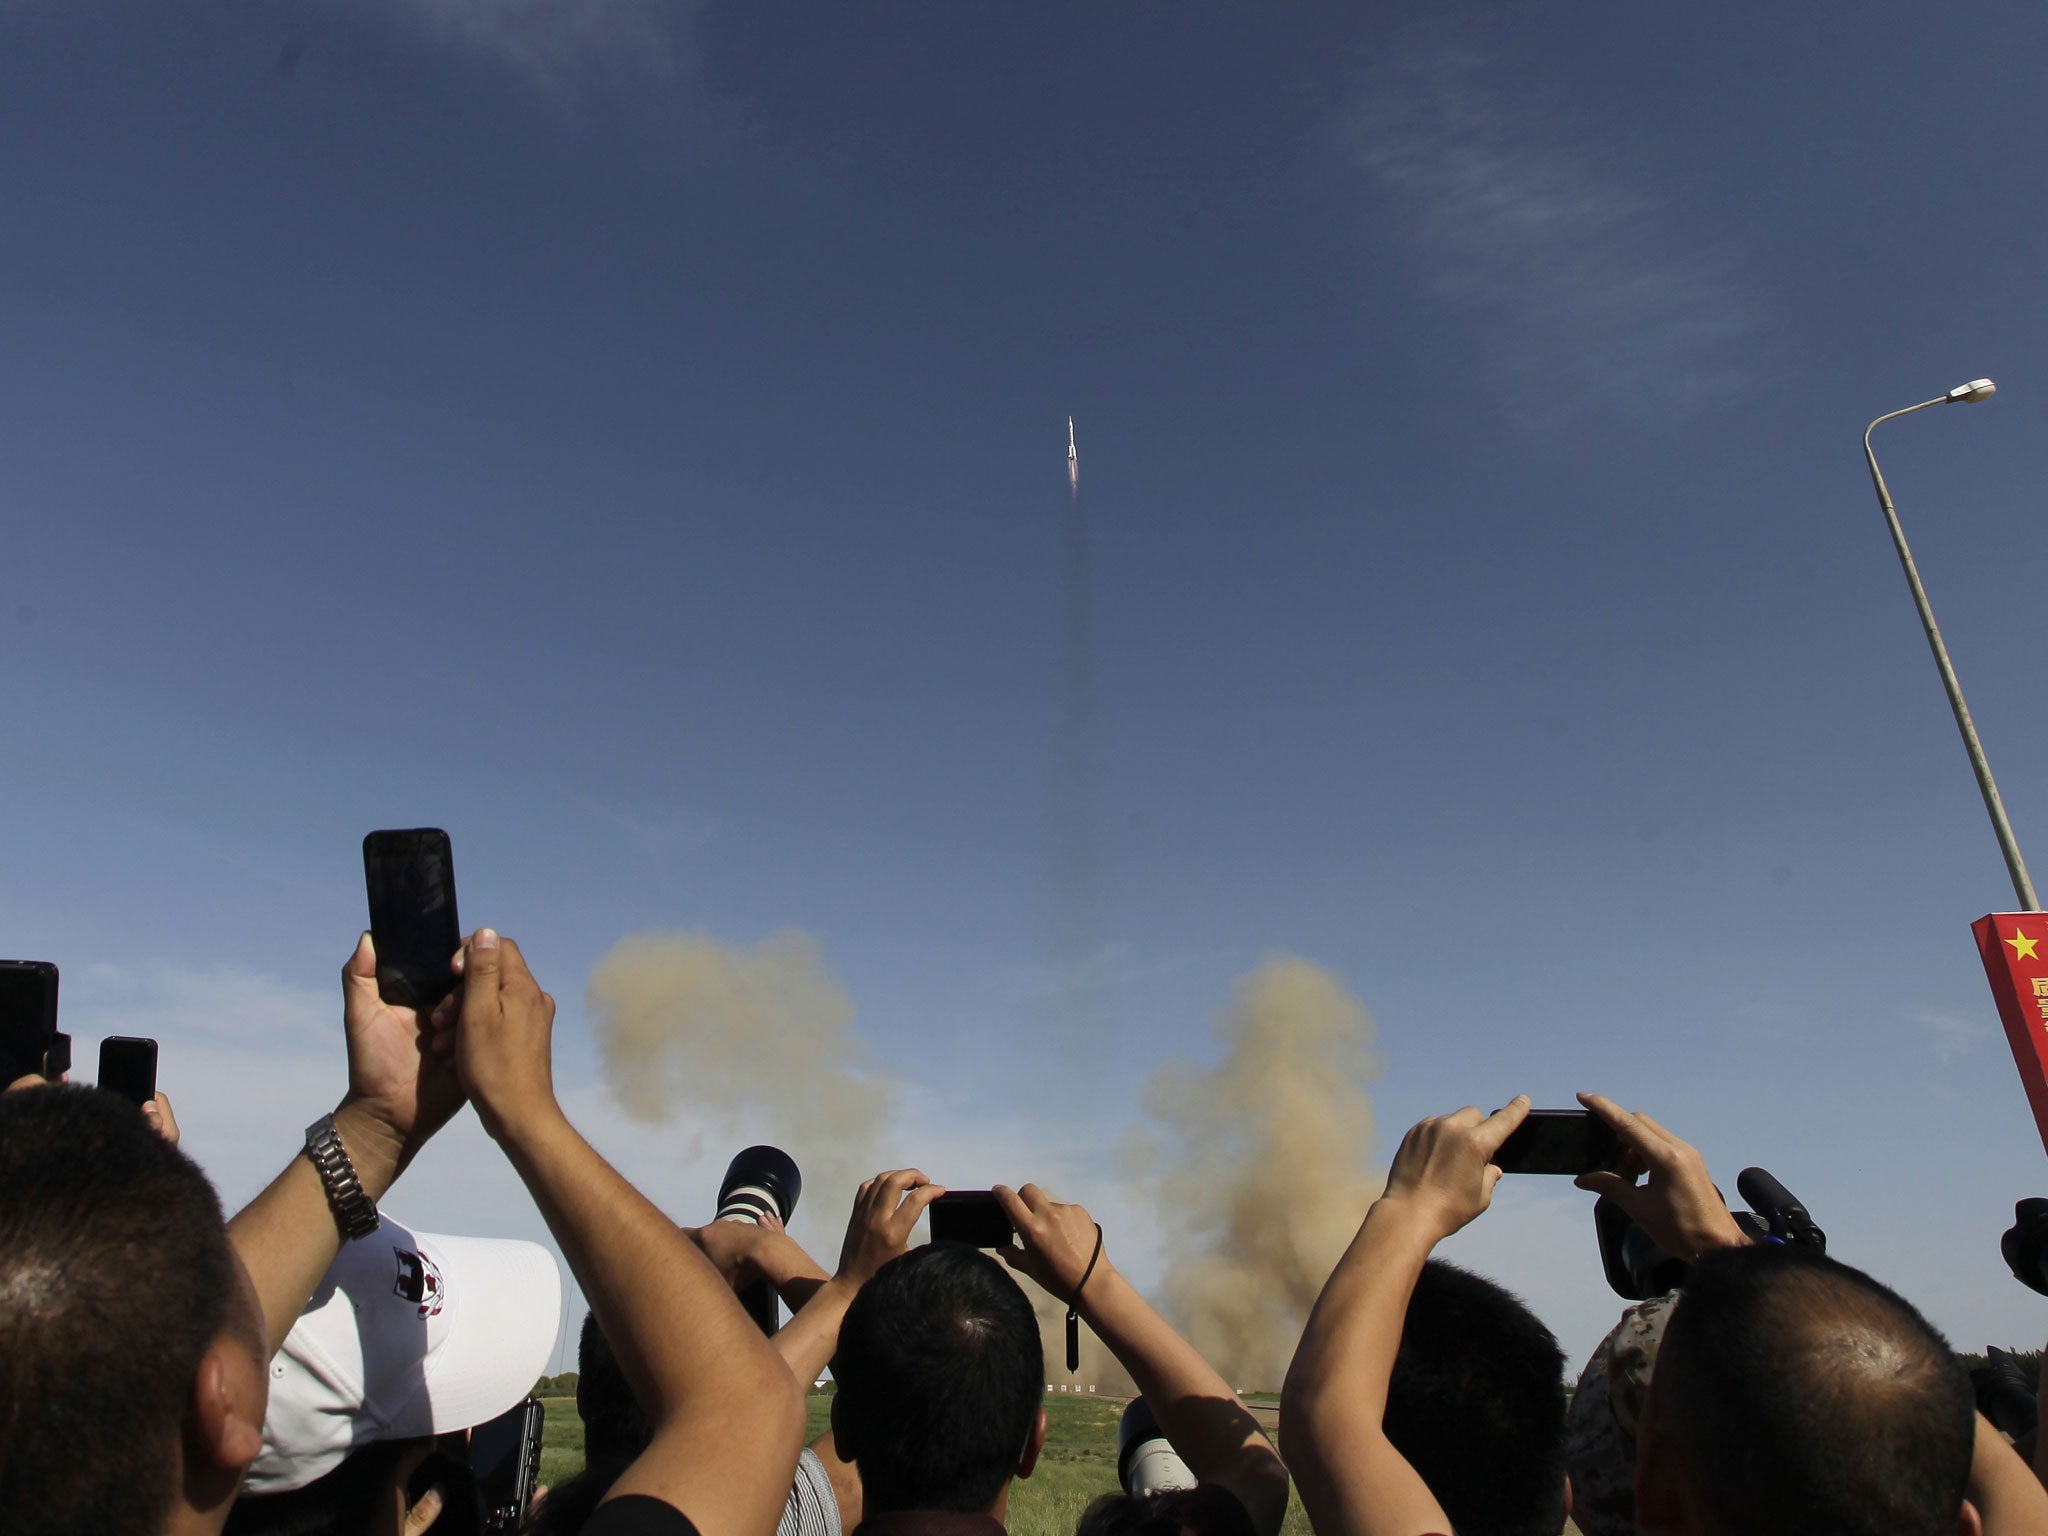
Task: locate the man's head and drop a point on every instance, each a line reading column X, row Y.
column 1793, row 1393
column 615, row 1426
column 939, row 1376
column 1476, row 1405
column 131, row 1350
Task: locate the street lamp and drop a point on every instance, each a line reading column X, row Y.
column 1962, row 394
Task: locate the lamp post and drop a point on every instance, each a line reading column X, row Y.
column 1962, row 394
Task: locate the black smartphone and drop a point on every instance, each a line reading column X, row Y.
column 411, row 879
column 29, row 1041
column 973, row 1217
column 128, row 1067
column 1572, row 1141
column 504, row 1457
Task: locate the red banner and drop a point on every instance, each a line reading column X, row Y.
column 2015, row 950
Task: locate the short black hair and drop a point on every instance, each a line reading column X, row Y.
column 616, row 1428
column 1476, row 1404
column 1802, row 1395
column 347, row 1499
column 115, row 1279
column 940, row 1373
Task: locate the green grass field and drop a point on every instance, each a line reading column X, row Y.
column 1079, row 1460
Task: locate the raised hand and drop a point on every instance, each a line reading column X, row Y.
column 1059, row 1240
column 394, row 1080
column 1444, row 1168
column 884, row 1212
column 161, row 1120
column 503, row 1034
column 1678, row 1204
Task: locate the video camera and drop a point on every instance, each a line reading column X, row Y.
column 1638, row 1269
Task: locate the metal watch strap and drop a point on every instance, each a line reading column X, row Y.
column 352, row 1205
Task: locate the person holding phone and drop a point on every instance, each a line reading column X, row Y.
column 1353, row 1480
column 159, row 1341
column 728, row 1418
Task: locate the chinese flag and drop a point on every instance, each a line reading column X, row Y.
column 2015, row 950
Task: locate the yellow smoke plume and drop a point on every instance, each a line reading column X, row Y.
column 760, row 1037
column 1260, row 1165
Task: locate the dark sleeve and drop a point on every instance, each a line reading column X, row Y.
column 638, row 1515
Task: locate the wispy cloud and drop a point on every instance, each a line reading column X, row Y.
column 1951, row 1034
column 1577, row 281
column 560, row 46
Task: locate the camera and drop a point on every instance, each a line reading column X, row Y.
column 1146, row 1462
column 760, row 1181
column 1638, row 1269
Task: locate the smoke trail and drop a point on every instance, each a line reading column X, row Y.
column 1079, row 1009
column 1260, row 1170
column 759, row 1036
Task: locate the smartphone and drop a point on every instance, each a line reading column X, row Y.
column 973, row 1217
column 128, row 1067
column 1572, row 1141
column 411, row 879
column 504, row 1457
column 29, row 1040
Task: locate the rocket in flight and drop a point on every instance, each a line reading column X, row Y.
column 1073, row 463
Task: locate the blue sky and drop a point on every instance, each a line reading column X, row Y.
column 631, row 437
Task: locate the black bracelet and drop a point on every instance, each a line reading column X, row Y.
column 1073, row 1307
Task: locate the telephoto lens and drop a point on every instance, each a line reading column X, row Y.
column 1146, row 1463
column 760, row 1180
column 2025, row 1244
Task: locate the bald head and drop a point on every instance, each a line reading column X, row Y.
column 1796, row 1394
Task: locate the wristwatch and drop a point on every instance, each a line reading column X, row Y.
column 353, row 1207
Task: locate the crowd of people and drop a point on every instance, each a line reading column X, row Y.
column 165, row 1371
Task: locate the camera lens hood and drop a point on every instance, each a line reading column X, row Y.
column 759, row 1180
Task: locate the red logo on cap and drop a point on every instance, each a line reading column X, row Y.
column 419, row 1281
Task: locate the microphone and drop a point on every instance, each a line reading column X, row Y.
column 1773, row 1201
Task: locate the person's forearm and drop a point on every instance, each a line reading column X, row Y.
column 1346, row 1355
column 1352, row 1480
column 1168, row 1371
column 811, row 1337
column 639, row 1272
column 2008, row 1496
column 727, row 1417
column 1208, row 1427
column 795, row 1275
column 287, row 1236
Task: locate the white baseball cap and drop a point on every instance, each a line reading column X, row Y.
column 408, row 1334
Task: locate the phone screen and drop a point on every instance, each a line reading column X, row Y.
column 971, row 1216
column 28, row 1018
column 128, row 1067
column 1569, row 1141
column 411, row 880
column 504, row 1455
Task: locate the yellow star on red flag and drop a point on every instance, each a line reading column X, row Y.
column 2022, row 946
